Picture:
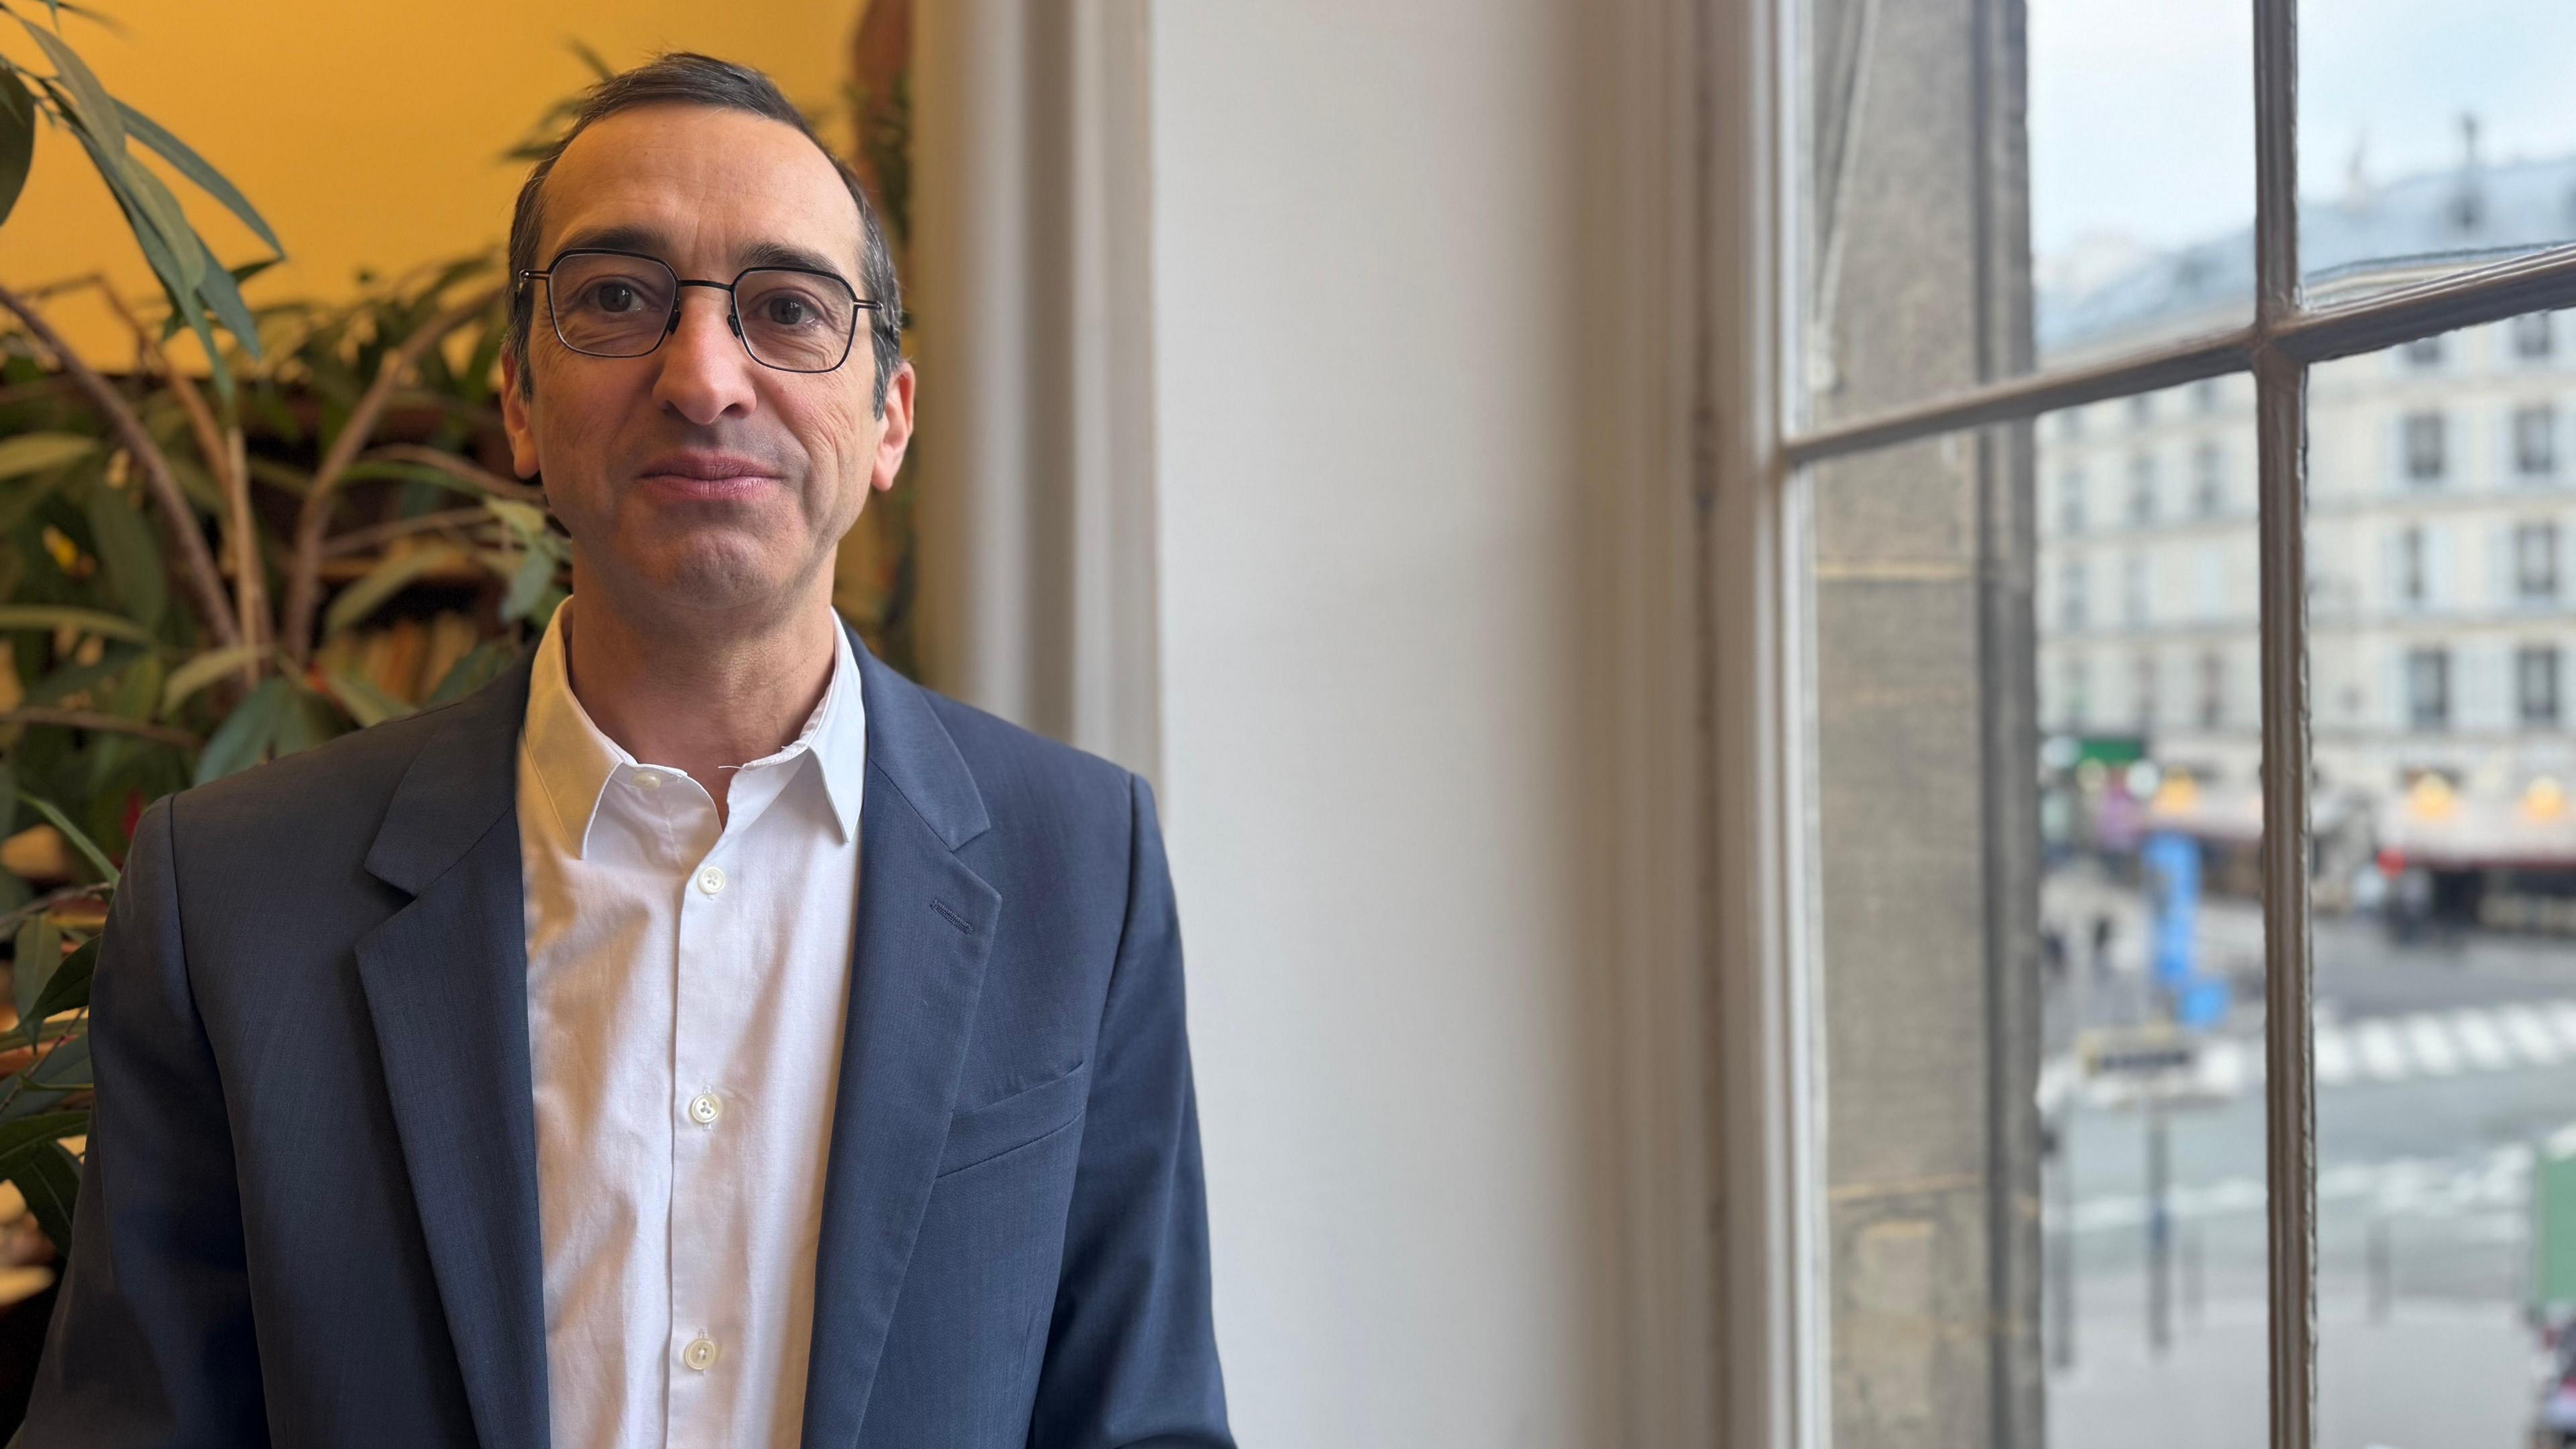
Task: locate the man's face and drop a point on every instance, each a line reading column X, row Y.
column 694, row 479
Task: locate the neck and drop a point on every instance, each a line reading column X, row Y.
column 698, row 702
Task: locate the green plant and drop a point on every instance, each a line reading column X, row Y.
column 200, row 579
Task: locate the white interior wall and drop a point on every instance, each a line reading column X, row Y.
column 1370, row 428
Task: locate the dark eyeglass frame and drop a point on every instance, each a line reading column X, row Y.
column 733, row 312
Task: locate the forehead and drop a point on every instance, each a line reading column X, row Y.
column 705, row 187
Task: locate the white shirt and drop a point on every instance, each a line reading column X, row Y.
column 686, row 989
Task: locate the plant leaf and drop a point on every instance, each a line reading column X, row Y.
column 98, row 114
column 203, row 670
column 307, row 721
column 472, row 671
column 132, row 555
column 17, row 139
column 162, row 209
column 16, row 1137
column 67, row 989
column 194, row 167
column 37, row 955
column 36, row 452
column 56, row 616
column 365, row 703
column 528, row 585
column 78, row 837
column 242, row 740
column 49, row 1179
column 385, row 580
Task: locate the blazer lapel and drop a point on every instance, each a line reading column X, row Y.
column 446, row 984
column 925, row 924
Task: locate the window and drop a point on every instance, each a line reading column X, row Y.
column 2070, row 595
column 2204, row 396
column 2533, row 336
column 2208, row 480
column 2535, row 440
column 2070, row 502
column 2428, row 689
column 2535, row 562
column 2535, row 681
column 1958, row 1269
column 2413, row 578
column 2424, row 455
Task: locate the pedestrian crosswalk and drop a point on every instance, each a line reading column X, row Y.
column 2425, row 1045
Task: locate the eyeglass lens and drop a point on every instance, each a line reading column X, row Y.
column 620, row 306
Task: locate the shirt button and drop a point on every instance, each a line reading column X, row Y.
column 700, row 1354
column 646, row 780
column 711, row 880
column 705, row 1108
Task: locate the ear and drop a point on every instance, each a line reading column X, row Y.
column 898, row 430
column 514, row 417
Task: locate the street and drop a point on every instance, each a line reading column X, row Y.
column 2444, row 1070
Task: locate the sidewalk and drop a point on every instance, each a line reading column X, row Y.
column 2435, row 1376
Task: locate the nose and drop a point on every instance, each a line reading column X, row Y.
column 704, row 372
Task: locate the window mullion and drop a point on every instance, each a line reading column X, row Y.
column 2289, row 1084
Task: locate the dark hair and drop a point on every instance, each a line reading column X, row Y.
column 687, row 78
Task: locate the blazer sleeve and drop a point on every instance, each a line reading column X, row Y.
column 1131, row 1352
column 151, row 1338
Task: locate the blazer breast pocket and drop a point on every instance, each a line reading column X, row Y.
column 983, row 1133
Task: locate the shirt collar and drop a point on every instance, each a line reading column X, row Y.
column 575, row 759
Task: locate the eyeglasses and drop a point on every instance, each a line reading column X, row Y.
column 622, row 304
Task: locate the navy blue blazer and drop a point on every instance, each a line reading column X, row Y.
column 308, row 1215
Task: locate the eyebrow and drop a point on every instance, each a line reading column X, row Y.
column 634, row 237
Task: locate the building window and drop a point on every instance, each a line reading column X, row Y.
column 2204, row 396
column 2070, row 595
column 2070, row 423
column 2070, row 502
column 2534, row 336
column 2428, row 689
column 2213, row 689
column 2142, row 488
column 2425, row 453
column 2424, row 352
column 2143, row 688
column 2535, row 561
column 2133, row 591
column 2208, row 480
column 2535, row 441
column 2142, row 408
column 2535, row 678
column 2412, row 584
column 2079, row 695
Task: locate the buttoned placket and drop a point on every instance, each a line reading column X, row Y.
column 714, row 990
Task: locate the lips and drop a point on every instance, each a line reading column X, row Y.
column 706, row 475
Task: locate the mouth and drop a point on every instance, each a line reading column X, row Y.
column 706, row 476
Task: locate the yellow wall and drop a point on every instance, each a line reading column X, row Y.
column 366, row 131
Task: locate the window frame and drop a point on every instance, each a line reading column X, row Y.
column 1758, row 444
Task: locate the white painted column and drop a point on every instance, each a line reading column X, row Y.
column 1031, row 288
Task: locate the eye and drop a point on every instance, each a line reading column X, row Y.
column 787, row 310
column 614, row 297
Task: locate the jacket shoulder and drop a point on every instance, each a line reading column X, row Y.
column 1019, row 770
column 308, row 798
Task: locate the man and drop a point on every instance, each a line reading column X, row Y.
column 700, row 1035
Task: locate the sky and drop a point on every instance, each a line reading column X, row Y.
column 2142, row 111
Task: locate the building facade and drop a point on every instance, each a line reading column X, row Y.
column 2441, row 555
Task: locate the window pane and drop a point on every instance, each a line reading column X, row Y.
column 2038, row 721
column 2445, row 884
column 1951, row 240
column 2432, row 138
